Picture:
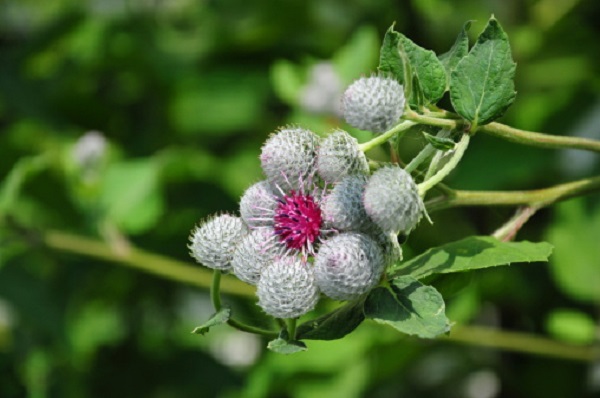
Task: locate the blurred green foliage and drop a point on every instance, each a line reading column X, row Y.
column 183, row 94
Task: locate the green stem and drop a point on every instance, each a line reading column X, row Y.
column 447, row 168
column 539, row 139
column 215, row 290
column 380, row 139
column 291, row 328
column 521, row 342
column 537, row 197
column 509, row 229
column 143, row 261
column 433, row 121
column 215, row 298
column 421, row 156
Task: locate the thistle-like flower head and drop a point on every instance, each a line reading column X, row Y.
column 392, row 200
column 214, row 242
column 373, row 103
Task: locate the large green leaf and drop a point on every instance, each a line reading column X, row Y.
column 474, row 252
column 481, row 85
column 428, row 69
column 410, row 307
column 390, row 61
column 334, row 325
column 458, row 51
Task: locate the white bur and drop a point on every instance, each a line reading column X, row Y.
column 288, row 158
column 213, row 242
column 255, row 251
column 339, row 155
column 373, row 103
column 343, row 208
column 392, row 200
column 348, row 265
column 287, row 288
column 258, row 205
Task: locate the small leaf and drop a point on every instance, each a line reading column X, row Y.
column 282, row 346
column 474, row 252
column 390, row 62
column 481, row 85
column 458, row 51
column 131, row 194
column 571, row 326
column 334, row 325
column 440, row 143
column 410, row 307
column 416, row 98
column 427, row 67
column 217, row 318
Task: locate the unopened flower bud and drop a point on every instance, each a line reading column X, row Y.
column 213, row 243
column 258, row 204
column 392, row 200
column 373, row 103
column 287, row 289
column 288, row 158
column 343, row 208
column 254, row 252
column 339, row 156
column 348, row 265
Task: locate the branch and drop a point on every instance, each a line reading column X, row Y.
column 537, row 197
column 539, row 139
column 522, row 342
column 143, row 261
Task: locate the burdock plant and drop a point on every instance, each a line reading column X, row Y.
column 325, row 223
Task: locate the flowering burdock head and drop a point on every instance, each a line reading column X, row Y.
column 392, row 200
column 214, row 242
column 298, row 234
column 340, row 156
column 373, row 103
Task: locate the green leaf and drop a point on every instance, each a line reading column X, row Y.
column 218, row 318
column 282, row 346
column 358, row 55
column 474, row 252
column 458, row 51
column 481, row 85
column 410, row 307
column 334, row 325
column 440, row 143
column 575, row 233
column 427, row 67
column 131, row 194
column 571, row 326
column 390, row 61
column 12, row 183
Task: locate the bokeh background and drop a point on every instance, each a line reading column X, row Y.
column 128, row 121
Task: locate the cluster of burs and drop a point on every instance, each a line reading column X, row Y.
column 321, row 222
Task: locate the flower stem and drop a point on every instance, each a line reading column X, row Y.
column 380, row 139
column 457, row 154
column 421, row 156
column 215, row 298
column 291, row 328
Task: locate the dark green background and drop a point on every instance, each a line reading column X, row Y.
column 185, row 93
